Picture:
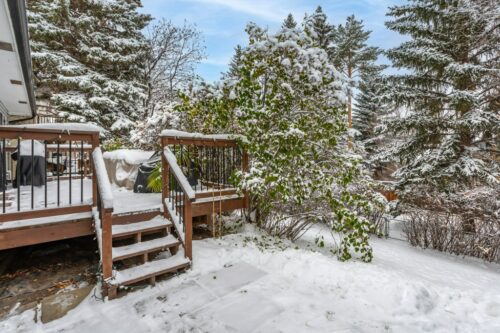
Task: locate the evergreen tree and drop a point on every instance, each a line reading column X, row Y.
column 370, row 108
column 235, row 62
column 450, row 91
column 289, row 22
column 319, row 29
column 88, row 59
column 351, row 54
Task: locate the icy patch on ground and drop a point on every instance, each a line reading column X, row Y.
column 250, row 283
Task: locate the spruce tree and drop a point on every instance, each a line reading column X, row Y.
column 450, row 92
column 88, row 59
column 319, row 29
column 370, row 108
column 289, row 22
column 351, row 55
column 235, row 63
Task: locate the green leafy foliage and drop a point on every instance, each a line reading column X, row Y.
column 288, row 101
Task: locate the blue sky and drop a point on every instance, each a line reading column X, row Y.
column 223, row 22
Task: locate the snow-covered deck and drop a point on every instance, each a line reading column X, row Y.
column 124, row 200
column 39, row 195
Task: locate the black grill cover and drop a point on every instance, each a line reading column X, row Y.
column 145, row 169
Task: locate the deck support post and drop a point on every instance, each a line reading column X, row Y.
column 107, row 249
column 164, row 177
column 188, row 233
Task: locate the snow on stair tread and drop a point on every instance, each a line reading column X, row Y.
column 217, row 198
column 43, row 221
column 137, row 273
column 144, row 247
column 132, row 228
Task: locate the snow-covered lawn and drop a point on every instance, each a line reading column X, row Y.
column 250, row 283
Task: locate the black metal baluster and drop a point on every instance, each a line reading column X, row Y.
column 218, row 167
column 82, row 166
column 200, row 158
column 46, row 167
column 212, row 166
column 172, row 189
column 18, row 174
column 179, row 207
column 32, row 173
column 70, row 165
column 233, row 156
column 58, row 172
column 193, row 171
column 4, row 171
column 224, row 171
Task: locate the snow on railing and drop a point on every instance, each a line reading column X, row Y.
column 62, row 127
column 188, row 135
column 103, row 183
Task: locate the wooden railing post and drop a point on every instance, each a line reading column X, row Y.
column 107, row 264
column 188, row 223
column 164, row 176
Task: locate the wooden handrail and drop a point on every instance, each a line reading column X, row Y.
column 186, row 138
column 105, row 210
column 32, row 132
column 103, row 183
column 179, row 175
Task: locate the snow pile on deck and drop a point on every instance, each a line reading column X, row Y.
column 252, row 283
column 122, row 165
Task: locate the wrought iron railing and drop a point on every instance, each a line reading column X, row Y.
column 197, row 171
column 44, row 172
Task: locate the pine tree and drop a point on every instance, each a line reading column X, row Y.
column 319, row 29
column 450, row 91
column 351, row 54
column 88, row 59
column 289, row 22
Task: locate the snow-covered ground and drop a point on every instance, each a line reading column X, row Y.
column 248, row 282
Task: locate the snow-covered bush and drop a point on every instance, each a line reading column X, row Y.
column 462, row 223
column 146, row 133
column 288, row 101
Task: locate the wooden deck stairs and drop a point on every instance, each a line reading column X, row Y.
column 144, row 250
